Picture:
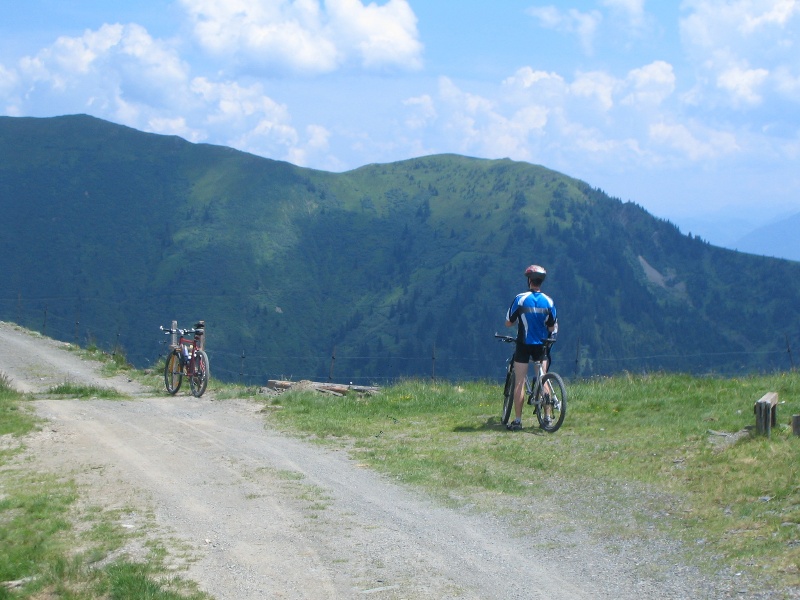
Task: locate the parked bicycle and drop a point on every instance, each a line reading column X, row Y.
column 187, row 358
column 545, row 392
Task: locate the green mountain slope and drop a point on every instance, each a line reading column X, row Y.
column 397, row 269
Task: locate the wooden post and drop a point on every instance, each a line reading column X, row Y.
column 766, row 413
column 796, row 424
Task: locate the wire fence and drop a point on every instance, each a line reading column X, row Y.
column 251, row 368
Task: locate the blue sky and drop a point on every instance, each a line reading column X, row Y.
column 690, row 109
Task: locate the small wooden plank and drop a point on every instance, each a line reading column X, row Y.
column 335, row 388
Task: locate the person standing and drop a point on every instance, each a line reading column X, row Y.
column 534, row 314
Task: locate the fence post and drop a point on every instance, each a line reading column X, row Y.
column 333, row 360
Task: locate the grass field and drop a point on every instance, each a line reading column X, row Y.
column 679, row 445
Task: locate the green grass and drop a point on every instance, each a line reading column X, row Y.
column 652, row 443
column 40, row 544
column 85, row 391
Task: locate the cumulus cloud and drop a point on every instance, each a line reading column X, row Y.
column 110, row 70
column 598, row 86
column 743, row 83
column 633, row 10
column 739, row 45
column 650, row 84
column 306, row 36
column 121, row 73
column 582, row 24
column 681, row 138
column 422, row 111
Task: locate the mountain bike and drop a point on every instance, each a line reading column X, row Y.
column 546, row 392
column 188, row 358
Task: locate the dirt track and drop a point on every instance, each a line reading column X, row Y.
column 264, row 515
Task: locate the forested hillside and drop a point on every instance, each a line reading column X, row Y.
column 384, row 271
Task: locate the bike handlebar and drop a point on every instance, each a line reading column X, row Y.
column 510, row 340
column 194, row 329
column 505, row 338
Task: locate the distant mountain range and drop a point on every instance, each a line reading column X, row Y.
column 391, row 270
column 779, row 239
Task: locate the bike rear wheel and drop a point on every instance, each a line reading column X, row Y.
column 551, row 402
column 198, row 380
column 173, row 373
column 508, row 395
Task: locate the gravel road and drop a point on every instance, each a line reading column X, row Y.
column 257, row 514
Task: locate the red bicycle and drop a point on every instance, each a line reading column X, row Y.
column 188, row 358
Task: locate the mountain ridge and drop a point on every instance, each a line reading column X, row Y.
column 384, row 271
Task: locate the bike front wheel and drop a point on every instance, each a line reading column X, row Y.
column 551, row 402
column 198, row 380
column 173, row 373
column 508, row 396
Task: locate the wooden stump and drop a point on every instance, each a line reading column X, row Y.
column 766, row 413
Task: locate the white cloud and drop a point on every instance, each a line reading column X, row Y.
column 632, row 9
column 737, row 45
column 679, row 137
column 102, row 67
column 423, row 111
column 481, row 126
column 8, row 80
column 598, row 85
column 304, row 36
column 764, row 14
column 582, row 24
column 743, row 83
column 526, row 78
column 788, row 83
column 650, row 84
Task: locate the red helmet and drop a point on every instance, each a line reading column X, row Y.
column 536, row 273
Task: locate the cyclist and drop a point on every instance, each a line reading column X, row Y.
column 534, row 313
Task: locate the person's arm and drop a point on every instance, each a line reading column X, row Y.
column 511, row 315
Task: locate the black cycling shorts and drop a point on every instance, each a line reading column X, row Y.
column 525, row 352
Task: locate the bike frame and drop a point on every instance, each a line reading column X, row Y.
column 194, row 344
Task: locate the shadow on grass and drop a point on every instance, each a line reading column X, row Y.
column 494, row 424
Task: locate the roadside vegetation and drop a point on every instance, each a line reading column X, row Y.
column 49, row 548
column 672, row 453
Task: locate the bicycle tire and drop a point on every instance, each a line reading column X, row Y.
column 173, row 373
column 557, row 401
column 198, row 380
column 508, row 395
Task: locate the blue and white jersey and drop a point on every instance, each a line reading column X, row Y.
column 533, row 312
